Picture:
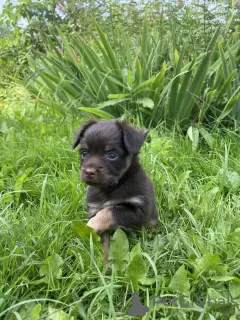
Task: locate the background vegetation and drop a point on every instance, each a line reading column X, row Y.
column 172, row 66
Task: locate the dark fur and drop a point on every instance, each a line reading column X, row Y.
column 121, row 185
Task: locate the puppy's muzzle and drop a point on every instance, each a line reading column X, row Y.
column 90, row 173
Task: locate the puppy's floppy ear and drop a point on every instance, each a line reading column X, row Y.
column 79, row 134
column 132, row 137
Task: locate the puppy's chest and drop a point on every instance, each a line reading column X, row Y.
column 97, row 200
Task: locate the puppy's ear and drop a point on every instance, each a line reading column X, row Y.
column 79, row 134
column 132, row 137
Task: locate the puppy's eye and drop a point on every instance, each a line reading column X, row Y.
column 111, row 155
column 84, row 153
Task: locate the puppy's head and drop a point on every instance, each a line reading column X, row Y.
column 107, row 150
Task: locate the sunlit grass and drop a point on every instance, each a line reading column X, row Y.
column 41, row 194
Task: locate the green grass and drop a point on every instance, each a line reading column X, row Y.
column 47, row 271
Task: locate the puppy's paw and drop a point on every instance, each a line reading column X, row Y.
column 102, row 221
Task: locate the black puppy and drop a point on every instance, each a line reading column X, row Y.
column 120, row 194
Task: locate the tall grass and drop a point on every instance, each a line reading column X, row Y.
column 50, row 267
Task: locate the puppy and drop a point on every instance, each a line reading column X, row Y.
column 120, row 194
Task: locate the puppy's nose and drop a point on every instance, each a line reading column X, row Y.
column 90, row 172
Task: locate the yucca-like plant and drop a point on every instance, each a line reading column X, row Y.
column 207, row 87
column 92, row 77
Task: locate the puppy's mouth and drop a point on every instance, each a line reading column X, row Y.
column 91, row 182
column 89, row 179
column 97, row 179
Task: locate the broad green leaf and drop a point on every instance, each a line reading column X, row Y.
column 136, row 250
column 183, row 177
column 234, row 289
column 149, row 60
column 184, row 87
column 127, row 77
column 225, row 85
column 180, row 282
column 193, row 134
column 173, row 107
column 51, row 269
column 215, row 300
column 146, row 102
column 55, row 314
column 144, row 47
column 112, row 102
column 148, row 281
column 138, row 72
column 229, row 106
column 158, row 81
column 20, row 181
column 118, row 96
column 224, row 61
column 234, row 179
column 119, row 250
column 235, row 235
column 144, row 85
column 83, row 231
column 198, row 241
column 176, row 56
column 35, row 313
column 225, row 70
column 233, row 60
column 98, row 112
column 207, row 137
column 148, row 112
column 210, row 96
column 208, row 261
column 222, row 278
column 136, row 271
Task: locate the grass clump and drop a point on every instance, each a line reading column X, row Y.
column 51, row 265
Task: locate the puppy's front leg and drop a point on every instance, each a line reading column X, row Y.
column 105, row 240
column 118, row 216
column 102, row 221
column 111, row 217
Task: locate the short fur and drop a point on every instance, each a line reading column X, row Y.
column 120, row 194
